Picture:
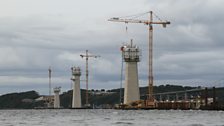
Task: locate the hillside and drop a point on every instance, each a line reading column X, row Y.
column 26, row 100
column 18, row 100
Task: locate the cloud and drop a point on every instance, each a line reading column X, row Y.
column 192, row 63
column 38, row 34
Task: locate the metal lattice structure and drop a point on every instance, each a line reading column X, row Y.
column 87, row 56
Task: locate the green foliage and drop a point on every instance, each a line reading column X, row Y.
column 105, row 99
column 66, row 99
column 15, row 100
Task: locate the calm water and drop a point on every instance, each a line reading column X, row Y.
column 99, row 117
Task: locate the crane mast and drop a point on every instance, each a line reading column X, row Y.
column 49, row 76
column 150, row 76
column 87, row 56
column 150, row 24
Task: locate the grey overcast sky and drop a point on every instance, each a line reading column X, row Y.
column 36, row 34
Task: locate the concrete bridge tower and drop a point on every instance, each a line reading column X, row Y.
column 56, row 97
column 76, row 99
column 131, row 56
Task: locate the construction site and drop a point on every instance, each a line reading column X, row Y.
column 204, row 98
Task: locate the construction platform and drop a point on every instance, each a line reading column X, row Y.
column 167, row 105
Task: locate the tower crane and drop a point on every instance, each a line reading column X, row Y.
column 49, row 76
column 87, row 56
column 150, row 24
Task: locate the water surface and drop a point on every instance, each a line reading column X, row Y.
column 107, row 117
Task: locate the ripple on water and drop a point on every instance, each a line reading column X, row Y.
column 196, row 125
column 106, row 118
column 124, row 123
column 78, row 120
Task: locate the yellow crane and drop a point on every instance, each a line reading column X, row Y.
column 150, row 24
